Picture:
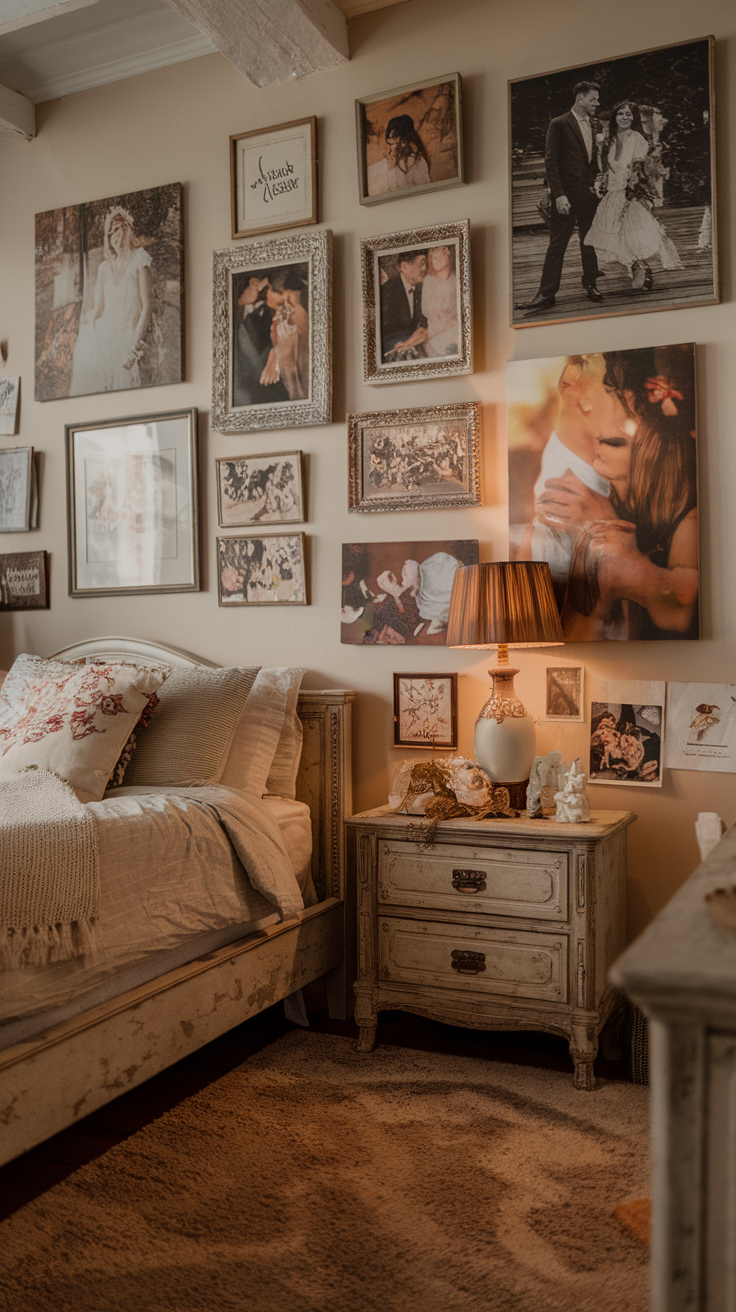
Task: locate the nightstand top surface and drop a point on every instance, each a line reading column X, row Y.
column 600, row 825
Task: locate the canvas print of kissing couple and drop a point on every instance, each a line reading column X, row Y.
column 603, row 486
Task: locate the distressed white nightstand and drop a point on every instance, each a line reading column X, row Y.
column 496, row 924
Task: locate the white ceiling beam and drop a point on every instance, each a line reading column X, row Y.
column 270, row 41
column 21, row 13
column 17, row 115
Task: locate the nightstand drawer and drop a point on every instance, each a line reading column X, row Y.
column 504, row 881
column 498, row 961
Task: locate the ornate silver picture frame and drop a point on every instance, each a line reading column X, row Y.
column 422, row 459
column 417, row 316
column 272, row 347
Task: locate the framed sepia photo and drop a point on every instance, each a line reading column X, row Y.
column 613, row 187
column 263, row 571
column 272, row 348
column 425, row 710
column 266, row 489
column 417, row 316
column 397, row 594
column 410, row 140
column 563, row 698
column 18, row 490
column 602, row 452
column 423, row 459
column 273, row 178
column 132, row 505
column 109, row 292
column 24, row 580
column 9, row 397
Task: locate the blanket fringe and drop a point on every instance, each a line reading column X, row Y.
column 42, row 945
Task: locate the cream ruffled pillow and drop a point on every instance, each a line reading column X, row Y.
column 72, row 719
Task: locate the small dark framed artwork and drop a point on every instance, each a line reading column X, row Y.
column 410, row 140
column 266, row 489
column 265, row 571
column 425, row 710
column 24, row 580
column 273, row 178
column 564, row 693
column 424, row 459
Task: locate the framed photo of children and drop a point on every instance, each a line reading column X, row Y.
column 265, row 489
column 272, row 349
column 417, row 317
column 265, row 571
column 425, row 710
column 273, row 178
column 423, row 459
column 603, row 486
column 613, row 187
column 410, row 140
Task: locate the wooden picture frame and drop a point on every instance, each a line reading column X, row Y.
column 423, row 704
column 24, row 580
column 672, row 246
column 429, row 335
column 564, row 694
column 393, row 127
column 9, row 398
column 146, row 464
column 272, row 334
column 18, row 490
column 262, row 489
column 421, row 459
column 273, row 178
column 270, row 570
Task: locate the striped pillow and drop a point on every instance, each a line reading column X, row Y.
column 189, row 736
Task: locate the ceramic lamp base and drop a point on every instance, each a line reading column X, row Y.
column 505, row 737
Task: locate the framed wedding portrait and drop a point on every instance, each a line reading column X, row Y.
column 417, row 314
column 613, row 187
column 272, row 348
column 266, row 489
column 410, row 140
column 273, row 178
column 262, row 571
column 425, row 710
column 423, row 459
column 109, row 294
column 132, row 505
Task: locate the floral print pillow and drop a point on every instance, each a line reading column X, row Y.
column 72, row 719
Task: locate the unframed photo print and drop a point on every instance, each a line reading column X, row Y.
column 627, row 735
column 398, row 593
column 701, row 727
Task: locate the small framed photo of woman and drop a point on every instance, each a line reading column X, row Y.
column 410, row 140
column 261, row 490
column 417, row 317
column 266, row 571
column 424, row 459
column 425, row 710
column 272, row 348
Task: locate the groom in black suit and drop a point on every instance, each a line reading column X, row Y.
column 572, row 167
column 403, row 324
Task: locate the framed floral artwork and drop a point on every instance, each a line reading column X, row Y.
column 425, row 710
column 423, row 459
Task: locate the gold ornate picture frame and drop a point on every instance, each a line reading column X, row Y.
column 421, row 459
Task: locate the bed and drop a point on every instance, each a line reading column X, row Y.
column 65, row 1068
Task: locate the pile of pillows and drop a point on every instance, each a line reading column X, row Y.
column 237, row 726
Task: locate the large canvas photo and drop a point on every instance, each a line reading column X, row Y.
column 109, row 284
column 613, row 186
column 603, row 486
column 398, row 593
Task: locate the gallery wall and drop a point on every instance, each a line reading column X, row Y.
column 173, row 125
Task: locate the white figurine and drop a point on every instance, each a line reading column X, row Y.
column 573, row 804
column 546, row 772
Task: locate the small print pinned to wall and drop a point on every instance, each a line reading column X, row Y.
column 24, row 580
column 273, row 178
column 9, row 396
column 627, row 735
column 701, row 727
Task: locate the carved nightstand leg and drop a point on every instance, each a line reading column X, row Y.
column 366, row 1015
column 583, row 1050
column 367, row 1037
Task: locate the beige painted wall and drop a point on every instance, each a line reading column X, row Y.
column 173, row 125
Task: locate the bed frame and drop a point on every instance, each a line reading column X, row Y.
column 60, row 1076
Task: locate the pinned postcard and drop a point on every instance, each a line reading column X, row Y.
column 701, row 726
column 627, row 734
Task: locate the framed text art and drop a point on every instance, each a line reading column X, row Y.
column 273, row 178
column 272, row 348
column 132, row 505
column 24, row 580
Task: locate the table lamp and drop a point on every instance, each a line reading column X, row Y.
column 506, row 604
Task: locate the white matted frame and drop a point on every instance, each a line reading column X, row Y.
column 273, row 178
column 59, row 1077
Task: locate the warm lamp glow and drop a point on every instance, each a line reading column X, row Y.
column 508, row 603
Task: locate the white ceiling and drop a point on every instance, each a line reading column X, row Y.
column 104, row 41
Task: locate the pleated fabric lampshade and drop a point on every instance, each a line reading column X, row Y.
column 504, row 604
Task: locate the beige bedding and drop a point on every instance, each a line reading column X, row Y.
column 172, row 870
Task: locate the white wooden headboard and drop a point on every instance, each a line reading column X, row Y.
column 325, row 773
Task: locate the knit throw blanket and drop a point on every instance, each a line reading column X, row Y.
column 49, row 872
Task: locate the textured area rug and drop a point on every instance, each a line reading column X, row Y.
column 314, row 1179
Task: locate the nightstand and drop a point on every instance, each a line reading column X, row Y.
column 495, row 924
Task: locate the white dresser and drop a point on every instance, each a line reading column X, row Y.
column 496, row 924
column 682, row 972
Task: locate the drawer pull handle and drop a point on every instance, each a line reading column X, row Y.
column 469, row 881
column 468, row 963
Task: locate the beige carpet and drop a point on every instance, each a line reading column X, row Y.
column 314, row 1179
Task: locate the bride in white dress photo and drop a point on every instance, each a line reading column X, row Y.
column 439, row 303
column 112, row 335
column 624, row 229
